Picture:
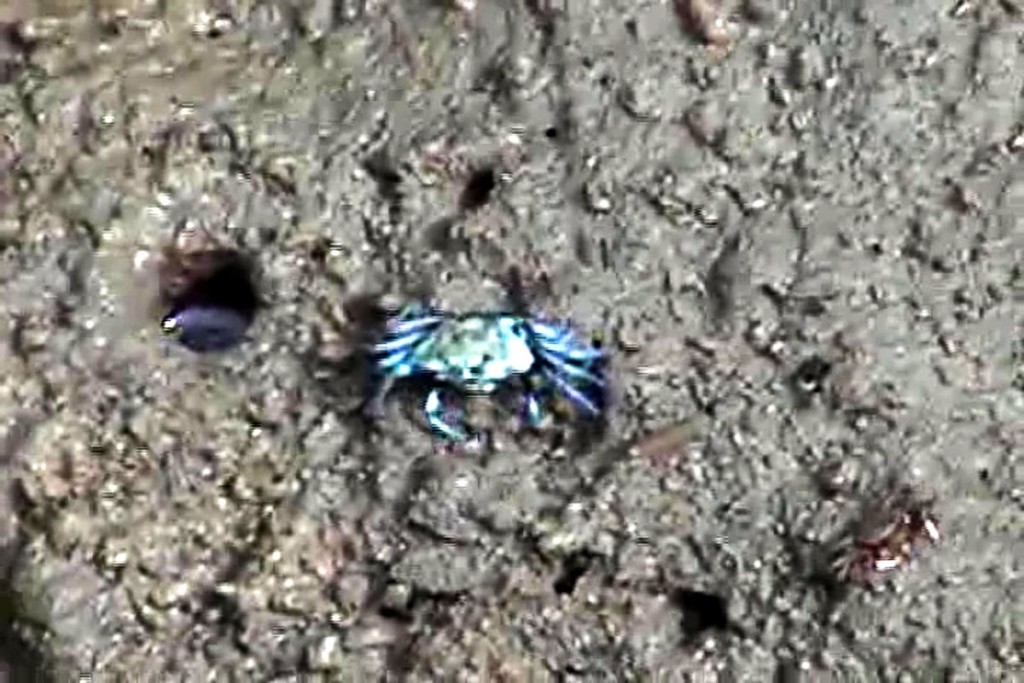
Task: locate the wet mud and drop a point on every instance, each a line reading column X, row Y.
column 798, row 228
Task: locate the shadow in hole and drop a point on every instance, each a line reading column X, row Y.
column 21, row 657
column 478, row 189
column 221, row 277
column 702, row 612
column 574, row 568
column 808, row 380
column 208, row 298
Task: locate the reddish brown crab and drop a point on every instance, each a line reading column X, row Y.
column 904, row 522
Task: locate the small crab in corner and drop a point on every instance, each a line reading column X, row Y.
column 476, row 353
column 890, row 539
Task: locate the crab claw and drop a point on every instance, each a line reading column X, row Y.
column 532, row 414
column 436, row 414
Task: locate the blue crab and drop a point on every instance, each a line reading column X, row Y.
column 476, row 353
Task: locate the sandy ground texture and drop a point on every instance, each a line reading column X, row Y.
column 797, row 226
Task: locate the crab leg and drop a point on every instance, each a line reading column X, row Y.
column 531, row 409
column 572, row 392
column 374, row 405
column 435, row 409
column 398, row 342
column 572, row 370
column 393, row 359
column 404, row 326
column 561, row 342
column 579, row 355
column 546, row 331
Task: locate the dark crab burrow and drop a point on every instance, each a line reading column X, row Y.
column 208, row 298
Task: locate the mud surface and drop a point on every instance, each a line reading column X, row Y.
column 802, row 241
